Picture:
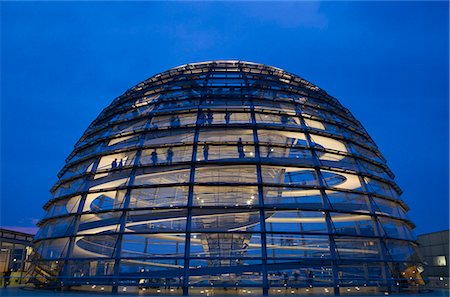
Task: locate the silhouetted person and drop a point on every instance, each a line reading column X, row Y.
column 227, row 117
column 7, row 277
column 290, row 241
column 309, row 278
column 284, row 119
column 174, row 121
column 120, row 163
column 167, row 283
column 285, row 278
column 269, row 150
column 244, row 248
column 210, row 117
column 114, row 164
column 296, row 275
column 154, row 157
column 240, row 148
column 169, row 155
column 201, row 119
column 205, row 152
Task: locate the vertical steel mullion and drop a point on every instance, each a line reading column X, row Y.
column 187, row 242
column 125, row 205
column 262, row 218
column 260, row 201
column 187, row 245
column 326, row 204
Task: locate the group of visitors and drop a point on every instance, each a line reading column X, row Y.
column 114, row 164
column 203, row 119
column 309, row 278
column 240, row 149
column 169, row 156
column 208, row 118
column 175, row 121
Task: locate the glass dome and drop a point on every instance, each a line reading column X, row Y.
column 226, row 177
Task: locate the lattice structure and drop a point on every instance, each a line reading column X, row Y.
column 226, row 177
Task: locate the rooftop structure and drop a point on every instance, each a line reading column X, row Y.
column 15, row 249
column 434, row 248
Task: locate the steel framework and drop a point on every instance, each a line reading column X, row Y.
column 226, row 176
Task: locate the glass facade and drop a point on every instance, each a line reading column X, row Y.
column 226, row 176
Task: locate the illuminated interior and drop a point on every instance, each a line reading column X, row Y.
column 225, row 177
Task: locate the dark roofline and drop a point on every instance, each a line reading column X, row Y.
column 15, row 232
column 424, row 234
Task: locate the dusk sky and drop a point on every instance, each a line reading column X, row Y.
column 63, row 62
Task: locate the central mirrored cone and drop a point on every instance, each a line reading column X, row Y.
column 226, row 175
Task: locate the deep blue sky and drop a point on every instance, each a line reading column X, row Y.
column 63, row 62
